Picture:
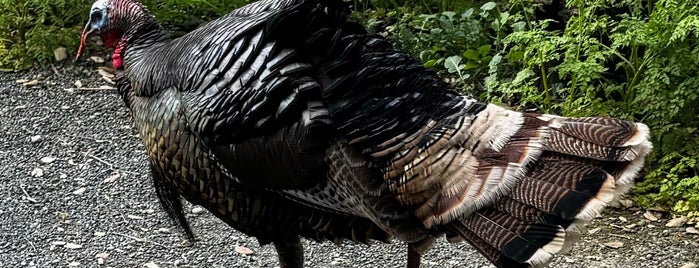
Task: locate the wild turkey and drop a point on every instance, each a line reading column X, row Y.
column 285, row 119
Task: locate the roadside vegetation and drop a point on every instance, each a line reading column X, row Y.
column 632, row 59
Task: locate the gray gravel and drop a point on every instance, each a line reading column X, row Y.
column 96, row 150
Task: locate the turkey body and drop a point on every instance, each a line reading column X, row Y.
column 284, row 119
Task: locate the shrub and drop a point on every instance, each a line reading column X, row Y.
column 627, row 59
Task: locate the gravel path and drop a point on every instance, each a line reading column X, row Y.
column 75, row 191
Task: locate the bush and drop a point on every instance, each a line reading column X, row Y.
column 31, row 29
column 632, row 60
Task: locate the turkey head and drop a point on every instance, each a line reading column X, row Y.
column 116, row 22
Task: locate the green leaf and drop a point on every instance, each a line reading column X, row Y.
column 467, row 14
column 472, row 55
column 483, row 50
column 452, row 64
column 488, row 6
column 430, row 63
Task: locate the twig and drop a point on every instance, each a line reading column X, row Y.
column 110, row 165
column 31, row 199
column 90, row 88
column 30, row 243
column 89, row 138
column 138, row 239
column 55, row 70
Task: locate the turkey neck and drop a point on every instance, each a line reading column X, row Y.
column 139, row 46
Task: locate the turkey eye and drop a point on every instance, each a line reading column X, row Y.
column 96, row 16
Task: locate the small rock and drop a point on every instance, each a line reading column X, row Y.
column 627, row 203
column 47, row 160
column 623, row 219
column 79, row 191
column 569, row 260
column 197, row 210
column 74, row 264
column 37, row 172
column 593, row 231
column 97, row 59
column 58, row 243
column 151, row 265
column 614, row 244
column 63, row 176
column 163, row 230
column 651, row 216
column 21, row 81
column 111, row 178
column 78, row 84
column 689, row 265
column 692, row 230
column 72, row 246
column 243, row 250
column 100, row 234
column 35, row 138
column 676, row 222
column 102, row 255
column 134, row 217
column 60, row 53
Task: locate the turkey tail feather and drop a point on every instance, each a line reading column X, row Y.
column 576, row 167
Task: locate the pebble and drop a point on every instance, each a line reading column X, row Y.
column 60, row 53
column 677, row 222
column 197, row 210
column 689, row 265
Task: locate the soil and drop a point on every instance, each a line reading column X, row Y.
column 75, row 191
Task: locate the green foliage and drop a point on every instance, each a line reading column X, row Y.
column 459, row 44
column 182, row 16
column 31, row 29
column 628, row 59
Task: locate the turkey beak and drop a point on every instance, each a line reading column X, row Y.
column 89, row 30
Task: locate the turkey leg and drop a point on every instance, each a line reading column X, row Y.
column 413, row 257
column 290, row 252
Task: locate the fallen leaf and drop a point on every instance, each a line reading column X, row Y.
column 58, row 243
column 614, row 244
column 100, row 234
column 22, row 81
column 74, row 264
column 243, row 250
